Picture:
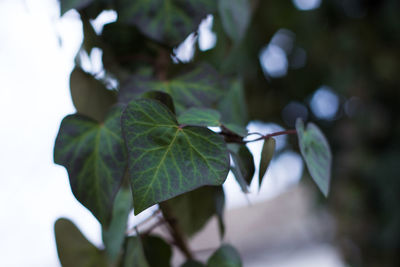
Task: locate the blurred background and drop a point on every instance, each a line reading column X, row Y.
column 334, row 62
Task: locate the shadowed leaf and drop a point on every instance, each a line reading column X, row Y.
column 134, row 253
column 164, row 98
column 74, row 250
column 66, row 5
column 243, row 167
column 316, row 153
column 95, row 158
column 168, row 21
column 157, row 251
column 166, row 160
column 235, row 16
column 267, row 153
column 225, row 256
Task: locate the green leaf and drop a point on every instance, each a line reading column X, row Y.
column 200, row 117
column 225, row 256
column 198, row 88
column 164, row 98
column 166, row 160
column 192, row 263
column 267, row 153
column 239, row 130
column 134, row 253
column 157, row 251
column 90, row 97
column 95, row 158
column 243, row 167
column 66, row 5
column 114, row 236
column 192, row 214
column 74, row 250
column 235, row 16
column 233, row 107
column 316, row 153
column 168, row 21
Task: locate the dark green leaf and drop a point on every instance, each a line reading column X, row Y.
column 225, row 256
column 235, row 16
column 192, row 263
column 243, row 167
column 316, row 153
column 233, row 106
column 134, row 253
column 169, row 21
column 192, row 214
column 198, row 88
column 164, row 98
column 267, row 153
column 90, row 96
column 113, row 237
column 157, row 251
column 239, row 130
column 166, row 160
column 200, row 117
column 74, row 250
column 66, row 5
column 95, row 158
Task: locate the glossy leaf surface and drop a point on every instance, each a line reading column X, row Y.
column 168, row 21
column 74, row 250
column 316, row 153
column 267, row 153
column 90, row 97
column 95, row 158
column 166, row 160
column 198, row 88
column 225, row 256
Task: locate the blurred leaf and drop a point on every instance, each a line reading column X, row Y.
column 225, row 256
column 74, row 250
column 95, row 158
column 234, row 128
column 90, row 96
column 114, row 235
column 157, row 251
column 200, row 117
column 66, row 5
column 233, row 106
column 164, row 98
column 192, row 263
column 134, row 253
column 235, row 16
column 168, row 21
column 267, row 153
column 316, row 153
column 192, row 214
column 198, row 88
column 243, row 167
column 162, row 155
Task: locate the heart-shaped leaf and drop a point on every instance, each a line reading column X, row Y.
column 134, row 253
column 235, row 16
column 198, row 88
column 74, row 250
column 192, row 214
column 166, row 160
column 267, row 153
column 90, row 97
column 95, row 158
column 200, row 117
column 168, row 21
column 243, row 167
column 225, row 256
column 316, row 153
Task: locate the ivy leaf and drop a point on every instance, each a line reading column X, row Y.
column 134, row 253
column 198, row 88
column 243, row 168
column 200, row 117
column 233, row 106
column 157, row 251
column 168, row 21
column 166, row 160
column 235, row 16
column 95, row 158
column 114, row 236
column 192, row 263
column 225, row 256
column 66, row 5
column 90, row 97
column 267, row 153
column 74, row 250
column 316, row 153
column 164, row 98
column 192, row 214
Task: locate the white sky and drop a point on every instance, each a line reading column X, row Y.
column 34, row 97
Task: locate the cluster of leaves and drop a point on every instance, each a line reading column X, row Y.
column 150, row 138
